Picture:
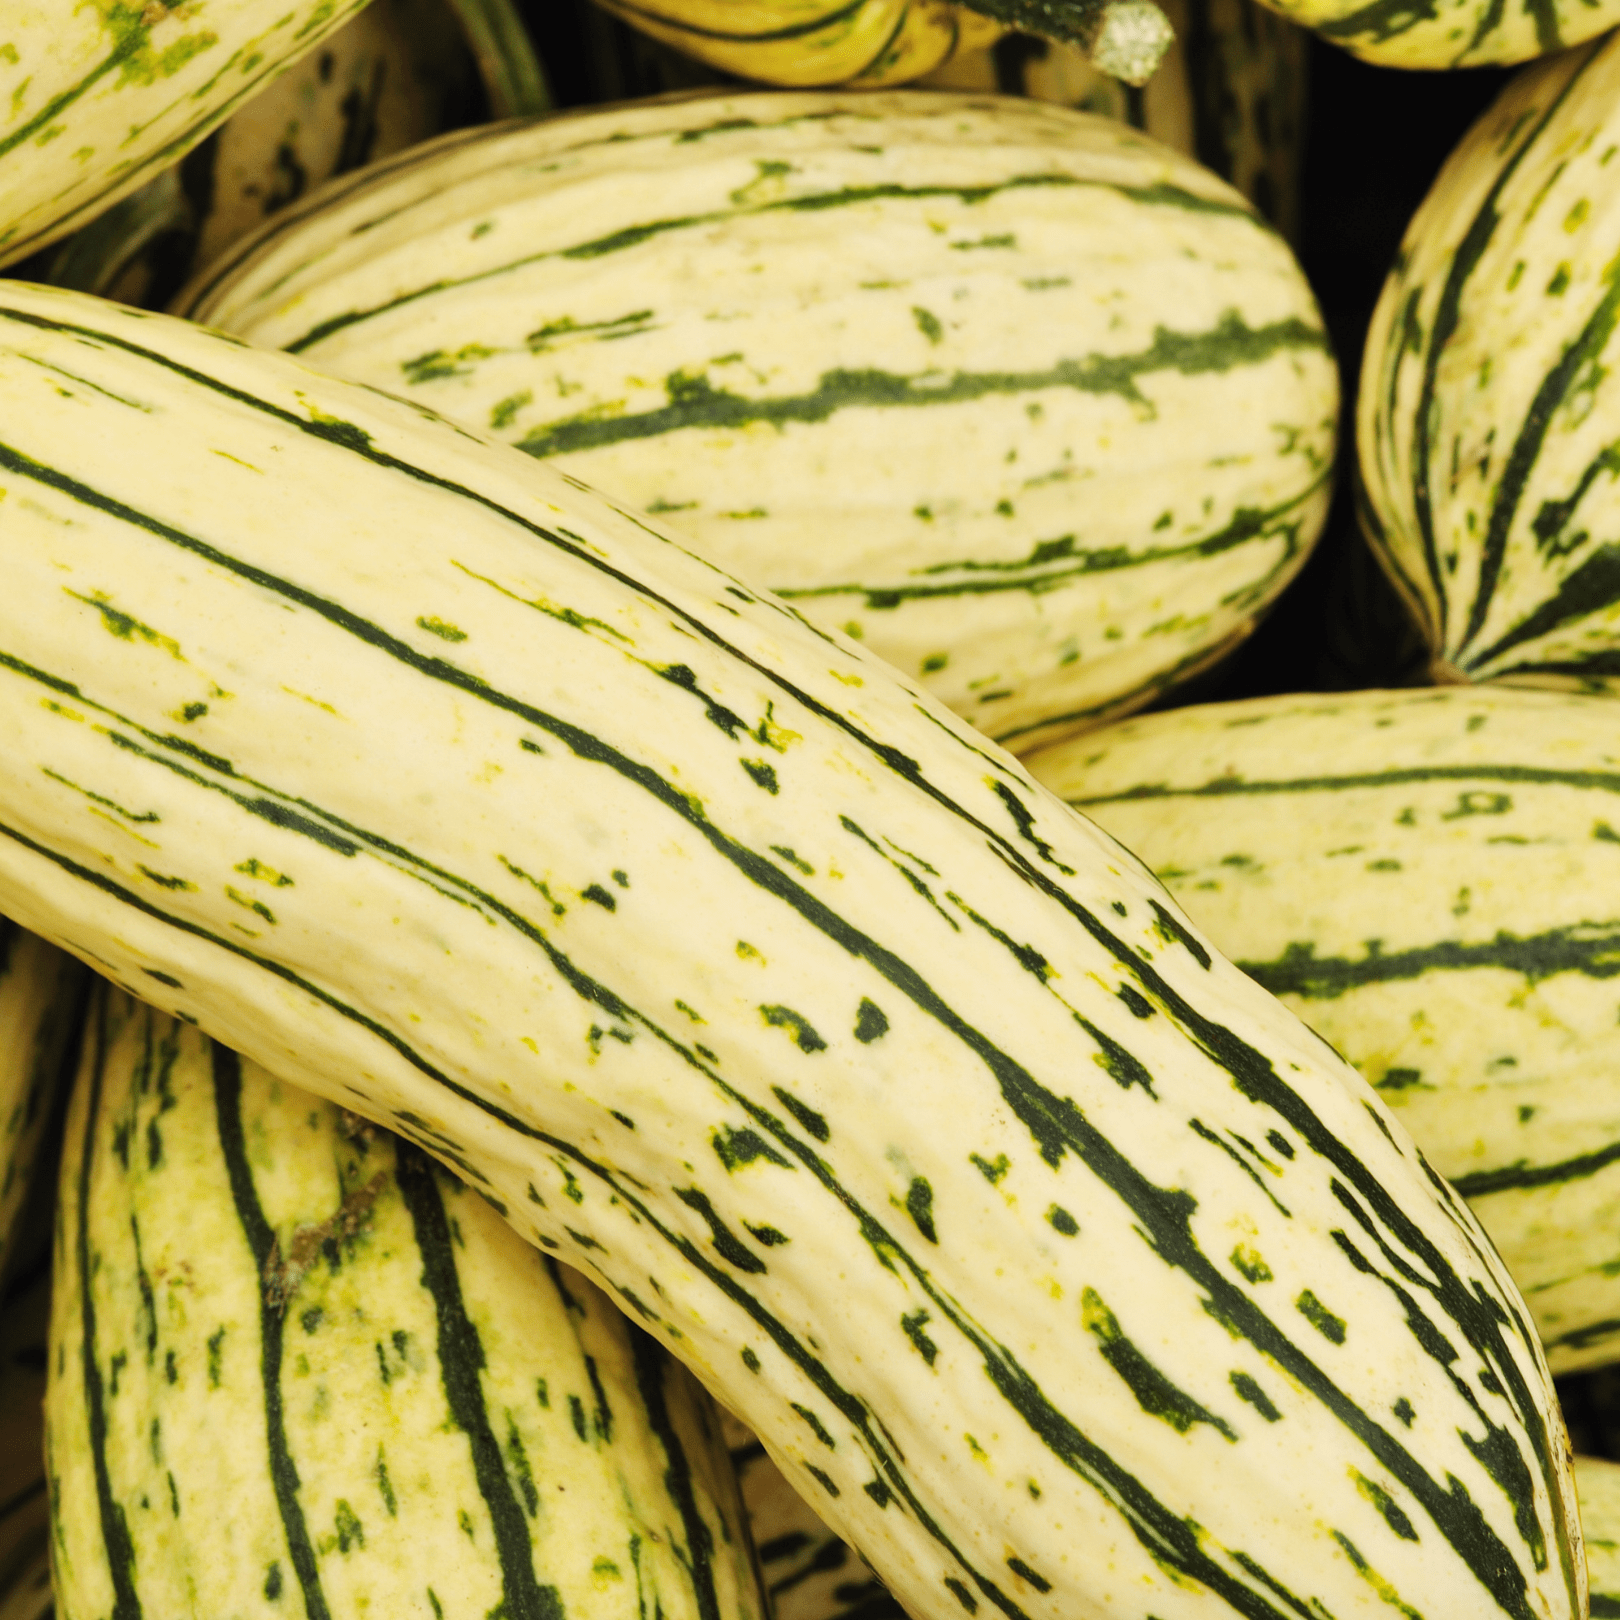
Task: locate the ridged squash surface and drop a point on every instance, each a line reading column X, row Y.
column 813, row 42
column 1488, row 389
column 1451, row 33
column 1038, row 409
column 1060, row 1265
column 263, row 1301
column 1429, row 878
column 96, row 99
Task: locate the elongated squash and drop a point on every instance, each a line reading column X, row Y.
column 1428, row 879
column 99, row 98
column 395, row 74
column 1039, row 410
column 262, row 1300
column 1054, row 1260
column 1485, row 415
column 41, row 996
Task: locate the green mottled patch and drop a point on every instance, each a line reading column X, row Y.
column 167, row 881
column 991, row 1169
column 126, row 626
column 1250, row 1265
column 762, row 774
column 871, row 1023
column 1320, row 1317
column 803, row 1032
column 1154, row 1392
column 249, row 903
column 1386, row 1505
column 920, row 1207
column 440, row 628
column 1248, row 1390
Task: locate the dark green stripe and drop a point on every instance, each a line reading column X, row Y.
column 261, row 1240
column 115, row 1535
column 163, row 157
column 1516, row 1177
column 676, row 25
column 1584, row 1338
column 1160, row 195
column 127, row 47
column 1592, row 949
column 1160, row 1529
column 1225, row 786
column 696, row 403
column 1575, row 361
column 1426, row 413
column 875, row 61
column 1585, row 591
column 652, row 1367
column 1056, row 1124
column 461, row 1359
column 1605, row 1607
column 1051, row 563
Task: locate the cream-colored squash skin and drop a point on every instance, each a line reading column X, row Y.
column 897, row 1100
column 809, row 1573
column 1230, row 93
column 41, row 995
column 393, row 75
column 1488, row 389
column 1597, row 1484
column 96, row 99
column 410, row 1410
column 1428, row 878
column 813, row 42
column 1451, row 33
column 1038, row 409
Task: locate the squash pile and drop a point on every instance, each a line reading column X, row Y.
column 602, row 1012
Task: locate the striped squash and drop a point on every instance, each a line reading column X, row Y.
column 1059, row 1265
column 1037, row 409
column 1487, row 460
column 96, row 99
column 1597, row 1483
column 1428, row 878
column 1230, row 93
column 808, row 1571
column 1451, row 33
column 393, row 75
column 813, row 42
column 41, row 993
column 262, row 1300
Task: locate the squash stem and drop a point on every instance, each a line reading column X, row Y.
column 1126, row 39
